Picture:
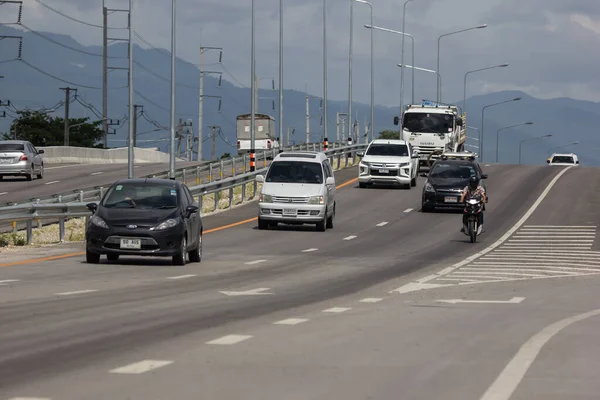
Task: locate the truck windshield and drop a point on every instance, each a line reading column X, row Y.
column 427, row 122
column 392, row 150
column 295, row 172
column 563, row 160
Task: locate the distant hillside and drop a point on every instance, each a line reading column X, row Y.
column 567, row 119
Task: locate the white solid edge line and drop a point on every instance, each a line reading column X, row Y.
column 290, row 321
column 140, row 367
column 510, row 377
column 491, row 247
column 76, row 292
column 30, row 398
column 182, row 276
column 229, row 339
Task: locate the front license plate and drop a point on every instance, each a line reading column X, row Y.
column 289, row 211
column 134, row 244
column 424, row 156
column 384, row 171
column 450, row 199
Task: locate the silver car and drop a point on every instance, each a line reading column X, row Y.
column 20, row 158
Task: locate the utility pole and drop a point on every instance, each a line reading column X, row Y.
column 105, row 67
column 213, row 136
column 179, row 135
column 201, row 94
column 135, row 114
column 307, row 121
column 67, row 91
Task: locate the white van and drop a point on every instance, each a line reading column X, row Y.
column 563, row 159
column 299, row 188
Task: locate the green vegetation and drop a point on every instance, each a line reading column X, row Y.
column 389, row 134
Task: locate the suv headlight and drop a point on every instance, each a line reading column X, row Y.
column 316, row 200
column 428, row 187
column 99, row 222
column 170, row 223
column 364, row 164
column 265, row 198
column 404, row 164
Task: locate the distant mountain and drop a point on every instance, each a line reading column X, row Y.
column 30, row 84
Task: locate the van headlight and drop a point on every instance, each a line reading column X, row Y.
column 316, row 200
column 170, row 223
column 265, row 198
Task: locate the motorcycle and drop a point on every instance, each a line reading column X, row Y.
column 473, row 210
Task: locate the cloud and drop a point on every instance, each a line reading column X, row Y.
column 552, row 45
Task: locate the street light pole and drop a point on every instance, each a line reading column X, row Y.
column 325, row 137
column 130, row 155
column 172, row 122
column 439, row 88
column 402, row 70
column 372, row 73
column 350, row 119
column 527, row 140
column 413, row 52
column 280, row 117
column 465, row 83
column 252, row 90
column 482, row 115
column 421, row 69
column 501, row 129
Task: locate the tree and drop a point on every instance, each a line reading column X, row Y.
column 389, row 134
column 226, row 155
column 43, row 130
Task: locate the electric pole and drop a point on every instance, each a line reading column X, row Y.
column 213, row 152
column 135, row 114
column 67, row 91
column 201, row 94
column 179, row 131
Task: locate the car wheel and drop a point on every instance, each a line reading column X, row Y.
column 179, row 258
column 262, row 224
column 196, row 254
column 426, row 209
column 91, row 258
column 330, row 219
column 362, row 185
column 322, row 225
column 41, row 174
column 413, row 181
column 112, row 257
column 29, row 177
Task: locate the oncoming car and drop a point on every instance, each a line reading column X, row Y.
column 388, row 162
column 145, row 217
column 563, row 159
column 299, row 189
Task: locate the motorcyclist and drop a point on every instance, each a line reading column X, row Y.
column 474, row 189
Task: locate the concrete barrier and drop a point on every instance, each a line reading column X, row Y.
column 85, row 155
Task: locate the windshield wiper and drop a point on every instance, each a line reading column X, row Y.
column 165, row 207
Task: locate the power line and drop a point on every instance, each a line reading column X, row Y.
column 71, row 18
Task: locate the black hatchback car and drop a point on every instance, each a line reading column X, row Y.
column 145, row 217
column 448, row 177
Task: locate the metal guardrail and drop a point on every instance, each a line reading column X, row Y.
column 62, row 211
column 204, row 173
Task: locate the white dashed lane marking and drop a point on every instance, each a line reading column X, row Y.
column 309, row 250
column 30, row 398
column 140, row 367
column 229, row 339
column 51, row 182
column 182, row 276
column 76, row 292
column 291, row 321
column 96, row 173
column 3, row 193
column 4, row 282
column 371, row 300
column 408, row 210
column 254, row 262
column 534, row 252
column 382, row 224
column 350, row 237
column 337, row 309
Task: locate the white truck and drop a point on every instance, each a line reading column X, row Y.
column 264, row 133
column 433, row 129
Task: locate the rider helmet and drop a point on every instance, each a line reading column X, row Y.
column 473, row 182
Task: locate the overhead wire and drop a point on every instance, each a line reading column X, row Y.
column 71, row 18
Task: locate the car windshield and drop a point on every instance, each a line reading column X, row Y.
column 393, row 150
column 427, row 122
column 563, row 159
column 445, row 170
column 295, row 172
column 11, row 147
column 141, row 195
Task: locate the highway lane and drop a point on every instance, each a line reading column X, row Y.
column 101, row 327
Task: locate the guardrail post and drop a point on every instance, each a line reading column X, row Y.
column 29, row 225
column 61, row 229
column 210, row 172
column 81, row 196
column 197, row 175
column 245, row 161
column 339, row 160
column 264, row 158
column 14, row 227
column 221, row 169
column 243, row 192
column 230, row 197
column 101, row 192
column 201, row 203
column 254, row 188
column 216, row 201
column 183, row 176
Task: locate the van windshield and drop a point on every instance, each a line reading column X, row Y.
column 563, row 160
column 295, row 172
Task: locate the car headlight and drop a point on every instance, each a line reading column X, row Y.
column 99, row 222
column 170, row 223
column 404, row 164
column 316, row 200
column 265, row 198
column 364, row 164
column 428, row 187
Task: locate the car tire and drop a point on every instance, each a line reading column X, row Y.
column 91, row 258
column 413, row 182
column 179, row 258
column 362, row 185
column 112, row 257
column 196, row 254
column 29, row 177
column 262, row 224
column 322, row 225
column 41, row 174
column 426, row 209
column 330, row 220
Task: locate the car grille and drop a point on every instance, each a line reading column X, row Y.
column 375, row 172
column 296, row 200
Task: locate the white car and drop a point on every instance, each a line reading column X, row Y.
column 563, row 159
column 299, row 189
column 388, row 162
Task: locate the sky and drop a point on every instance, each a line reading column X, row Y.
column 552, row 46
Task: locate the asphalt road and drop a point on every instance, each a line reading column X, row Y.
column 325, row 321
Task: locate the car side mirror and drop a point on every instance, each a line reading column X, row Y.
column 92, row 207
column 396, row 120
column 360, row 153
column 484, row 176
column 260, row 178
column 330, row 181
column 548, row 161
column 577, row 162
column 191, row 209
column 40, row 151
column 415, row 154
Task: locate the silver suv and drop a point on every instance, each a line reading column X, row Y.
column 299, row 188
column 20, row 158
